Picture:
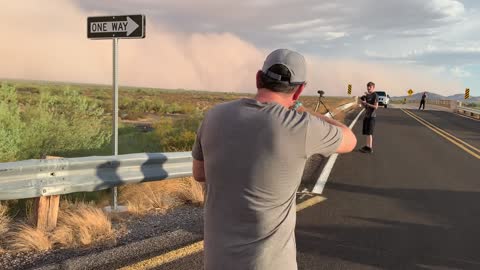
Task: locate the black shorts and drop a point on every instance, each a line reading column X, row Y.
column 368, row 125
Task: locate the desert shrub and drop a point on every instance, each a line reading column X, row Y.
column 177, row 134
column 56, row 125
column 11, row 124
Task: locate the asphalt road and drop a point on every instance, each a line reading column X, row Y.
column 412, row 204
column 466, row 129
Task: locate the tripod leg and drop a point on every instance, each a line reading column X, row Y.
column 318, row 104
column 328, row 111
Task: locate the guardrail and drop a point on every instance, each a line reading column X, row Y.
column 46, row 177
column 453, row 105
column 341, row 108
column 475, row 113
column 346, row 106
column 440, row 102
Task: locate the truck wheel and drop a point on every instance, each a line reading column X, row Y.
column 385, row 106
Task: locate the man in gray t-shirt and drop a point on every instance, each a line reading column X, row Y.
column 251, row 153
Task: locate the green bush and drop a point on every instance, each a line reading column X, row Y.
column 133, row 108
column 173, row 108
column 177, row 134
column 131, row 140
column 11, row 125
column 134, row 105
column 57, row 125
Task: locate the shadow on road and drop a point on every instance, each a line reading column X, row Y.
column 447, row 233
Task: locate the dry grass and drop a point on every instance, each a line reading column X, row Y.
column 331, row 102
column 143, row 198
column 4, row 226
column 4, row 220
column 79, row 224
column 26, row 238
column 116, row 217
column 82, row 224
column 191, row 191
column 161, row 196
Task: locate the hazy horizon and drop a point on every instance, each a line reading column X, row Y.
column 314, row 94
column 193, row 46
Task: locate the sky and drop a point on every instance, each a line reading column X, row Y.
column 218, row 45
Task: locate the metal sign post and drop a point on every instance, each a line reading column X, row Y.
column 115, row 115
column 115, row 27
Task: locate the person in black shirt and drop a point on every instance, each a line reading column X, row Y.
column 422, row 102
column 370, row 102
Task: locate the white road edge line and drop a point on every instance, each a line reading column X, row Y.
column 322, row 180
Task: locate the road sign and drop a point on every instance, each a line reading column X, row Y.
column 410, row 92
column 467, row 93
column 349, row 89
column 106, row 27
column 115, row 27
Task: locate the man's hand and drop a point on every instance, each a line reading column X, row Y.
column 198, row 170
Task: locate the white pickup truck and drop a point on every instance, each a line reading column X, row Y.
column 383, row 98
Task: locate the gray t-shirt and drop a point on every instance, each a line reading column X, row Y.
column 254, row 155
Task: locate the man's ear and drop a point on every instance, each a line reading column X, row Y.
column 298, row 92
column 259, row 79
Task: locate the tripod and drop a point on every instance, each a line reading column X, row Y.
column 321, row 93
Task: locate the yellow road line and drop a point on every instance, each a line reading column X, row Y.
column 445, row 132
column 167, row 257
column 198, row 246
column 458, row 142
column 310, row 202
column 438, row 131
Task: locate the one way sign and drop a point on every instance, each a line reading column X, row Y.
column 126, row 26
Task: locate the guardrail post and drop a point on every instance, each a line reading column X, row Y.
column 46, row 210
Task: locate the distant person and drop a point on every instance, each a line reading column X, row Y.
column 251, row 153
column 370, row 102
column 422, row 102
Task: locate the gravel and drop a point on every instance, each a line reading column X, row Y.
column 177, row 227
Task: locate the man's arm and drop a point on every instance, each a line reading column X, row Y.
column 349, row 140
column 198, row 170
